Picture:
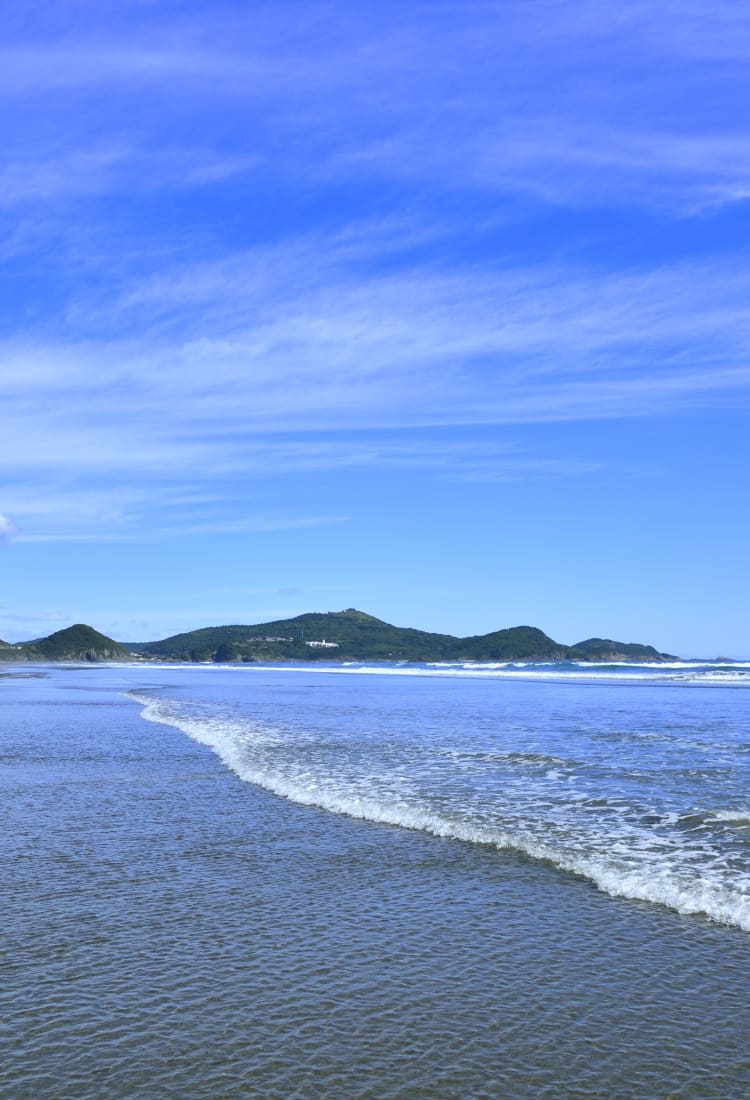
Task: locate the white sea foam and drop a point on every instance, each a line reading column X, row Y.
column 733, row 817
column 626, row 864
column 730, row 676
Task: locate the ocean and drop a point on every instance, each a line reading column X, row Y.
column 387, row 882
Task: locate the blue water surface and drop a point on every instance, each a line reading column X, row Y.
column 470, row 885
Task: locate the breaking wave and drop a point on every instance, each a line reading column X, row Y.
column 658, row 857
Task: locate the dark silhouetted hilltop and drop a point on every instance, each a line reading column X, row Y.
column 75, row 643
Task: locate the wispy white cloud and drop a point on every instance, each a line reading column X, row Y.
column 151, row 529
column 322, row 99
column 7, row 527
column 21, row 626
column 124, row 506
column 29, row 617
column 99, row 62
column 686, row 29
column 370, row 350
column 40, row 177
column 373, row 303
column 565, row 163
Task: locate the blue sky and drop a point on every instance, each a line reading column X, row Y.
column 439, row 310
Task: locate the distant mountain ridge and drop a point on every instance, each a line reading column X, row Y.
column 333, row 635
column 355, row 635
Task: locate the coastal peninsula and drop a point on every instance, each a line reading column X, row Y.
column 349, row 635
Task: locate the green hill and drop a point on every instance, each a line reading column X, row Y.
column 518, row 643
column 341, row 635
column 604, row 649
column 349, row 635
column 75, row 643
column 354, row 635
column 9, row 652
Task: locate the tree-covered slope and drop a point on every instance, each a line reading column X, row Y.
column 347, row 634
column 354, row 635
column 10, row 652
column 517, row 643
column 75, row 643
column 605, row 649
column 333, row 635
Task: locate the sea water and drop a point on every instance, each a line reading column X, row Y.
column 385, row 881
